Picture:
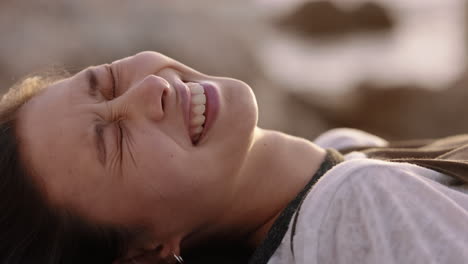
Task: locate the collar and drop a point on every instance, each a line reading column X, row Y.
column 279, row 228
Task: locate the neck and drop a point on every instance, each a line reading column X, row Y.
column 276, row 170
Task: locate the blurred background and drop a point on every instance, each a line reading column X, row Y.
column 396, row 68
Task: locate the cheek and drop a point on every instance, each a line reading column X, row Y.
column 162, row 172
column 190, row 177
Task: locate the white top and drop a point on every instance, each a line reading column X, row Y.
column 371, row 211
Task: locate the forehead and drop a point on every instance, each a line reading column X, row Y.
column 56, row 139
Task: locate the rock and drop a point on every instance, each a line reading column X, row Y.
column 317, row 19
column 371, row 17
column 325, row 19
column 397, row 113
column 76, row 34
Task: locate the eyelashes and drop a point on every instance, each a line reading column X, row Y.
column 114, row 84
column 119, row 122
column 109, row 90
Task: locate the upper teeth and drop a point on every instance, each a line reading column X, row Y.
column 197, row 108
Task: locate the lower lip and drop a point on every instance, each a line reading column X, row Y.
column 212, row 108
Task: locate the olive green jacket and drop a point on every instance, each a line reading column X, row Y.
column 446, row 155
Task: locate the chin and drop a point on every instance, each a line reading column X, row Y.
column 246, row 122
column 247, row 115
column 240, row 120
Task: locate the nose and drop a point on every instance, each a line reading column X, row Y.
column 144, row 99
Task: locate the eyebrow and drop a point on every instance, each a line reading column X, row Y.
column 93, row 84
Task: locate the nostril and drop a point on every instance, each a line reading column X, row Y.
column 163, row 99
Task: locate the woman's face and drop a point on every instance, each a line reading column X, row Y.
column 120, row 143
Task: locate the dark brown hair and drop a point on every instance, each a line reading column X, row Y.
column 31, row 230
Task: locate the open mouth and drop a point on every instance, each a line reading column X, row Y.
column 197, row 116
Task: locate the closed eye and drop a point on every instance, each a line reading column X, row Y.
column 109, row 89
column 114, row 86
column 112, row 91
column 120, row 139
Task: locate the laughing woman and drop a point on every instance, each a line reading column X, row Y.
column 145, row 159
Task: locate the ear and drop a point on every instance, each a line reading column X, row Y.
column 171, row 248
column 152, row 253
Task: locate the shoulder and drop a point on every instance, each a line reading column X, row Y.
column 354, row 171
column 340, row 138
column 374, row 177
column 323, row 204
column 358, row 199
